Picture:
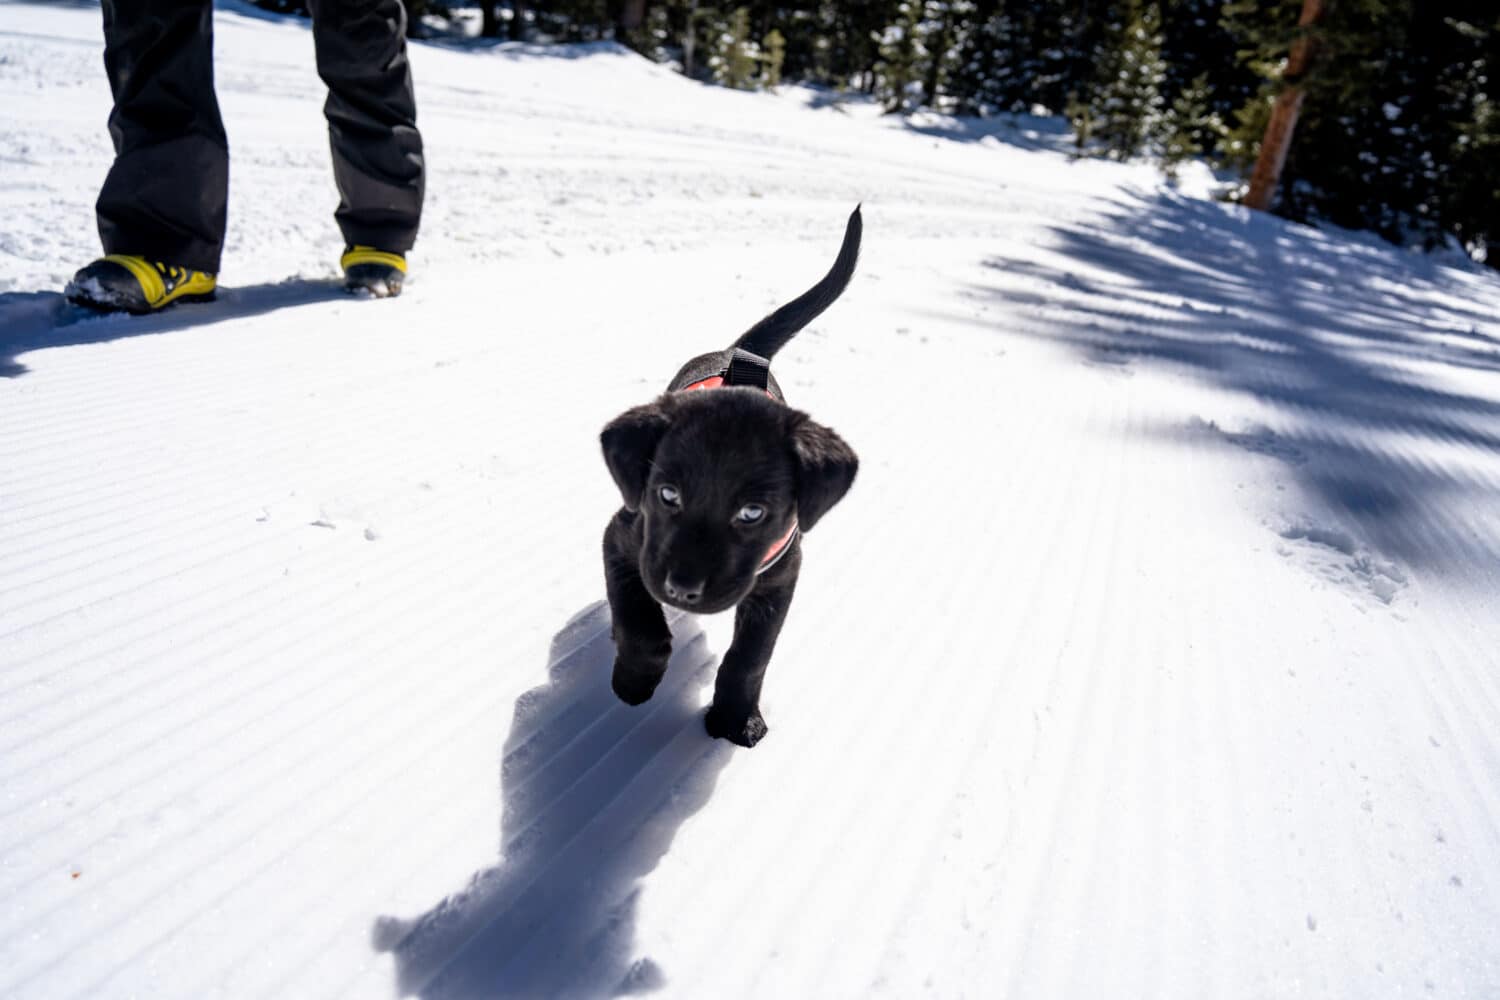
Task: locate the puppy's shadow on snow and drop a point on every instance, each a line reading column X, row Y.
column 593, row 794
column 34, row 321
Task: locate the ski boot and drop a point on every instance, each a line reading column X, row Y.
column 130, row 283
column 376, row 272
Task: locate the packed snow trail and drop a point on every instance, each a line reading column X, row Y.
column 1153, row 653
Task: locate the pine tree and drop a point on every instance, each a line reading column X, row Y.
column 1196, row 42
column 1190, row 127
column 1080, row 114
column 900, row 57
column 658, row 36
column 1472, row 201
column 941, row 31
column 735, row 53
column 1015, row 54
column 775, row 57
column 1125, row 112
column 978, row 50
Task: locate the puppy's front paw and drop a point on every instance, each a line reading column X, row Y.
column 736, row 727
column 634, row 686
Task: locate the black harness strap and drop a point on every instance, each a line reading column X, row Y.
column 748, row 369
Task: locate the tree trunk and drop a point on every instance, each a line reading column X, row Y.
column 632, row 16
column 1283, row 122
column 517, row 21
column 937, row 54
column 490, row 27
column 689, row 39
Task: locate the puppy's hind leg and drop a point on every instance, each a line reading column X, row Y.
column 735, row 713
column 643, row 642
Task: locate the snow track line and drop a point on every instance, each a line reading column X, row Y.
column 230, row 697
column 220, row 526
column 1096, row 720
column 1055, row 686
column 350, row 572
column 1455, row 701
column 305, row 382
column 436, row 503
column 957, row 702
column 1003, row 750
column 1107, row 700
column 954, row 706
column 344, row 487
column 356, row 427
column 459, row 699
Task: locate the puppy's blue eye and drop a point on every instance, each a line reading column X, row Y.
column 669, row 495
column 750, row 513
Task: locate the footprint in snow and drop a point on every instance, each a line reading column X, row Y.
column 1335, row 556
column 1110, row 358
column 1261, row 440
column 371, row 533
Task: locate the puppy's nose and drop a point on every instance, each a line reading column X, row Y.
column 686, row 591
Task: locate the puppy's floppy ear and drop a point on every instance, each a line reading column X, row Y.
column 825, row 470
column 629, row 443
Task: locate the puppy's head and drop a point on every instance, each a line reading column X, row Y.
column 719, row 477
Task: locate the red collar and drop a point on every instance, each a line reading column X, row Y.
column 773, row 556
column 713, row 382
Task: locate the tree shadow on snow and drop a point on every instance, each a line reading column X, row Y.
column 1019, row 130
column 1351, row 341
column 594, row 793
column 34, row 321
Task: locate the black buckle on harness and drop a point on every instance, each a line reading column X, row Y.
column 748, row 369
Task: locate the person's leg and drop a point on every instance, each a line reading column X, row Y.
column 372, row 121
column 166, row 194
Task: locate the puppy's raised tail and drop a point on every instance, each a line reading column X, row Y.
column 772, row 333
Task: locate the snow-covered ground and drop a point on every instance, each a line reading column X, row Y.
column 1156, row 651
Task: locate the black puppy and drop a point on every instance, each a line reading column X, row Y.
column 719, row 486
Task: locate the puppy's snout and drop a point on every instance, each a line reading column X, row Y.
column 679, row 588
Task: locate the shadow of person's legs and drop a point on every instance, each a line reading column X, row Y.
column 33, row 321
column 593, row 794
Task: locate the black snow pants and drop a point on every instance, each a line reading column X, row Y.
column 166, row 194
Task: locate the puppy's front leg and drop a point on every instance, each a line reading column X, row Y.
column 735, row 713
column 643, row 642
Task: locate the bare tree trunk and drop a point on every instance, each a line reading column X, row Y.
column 1283, row 122
column 632, row 16
column 938, row 53
column 689, row 39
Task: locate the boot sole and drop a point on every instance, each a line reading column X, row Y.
column 119, row 307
